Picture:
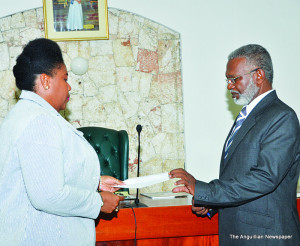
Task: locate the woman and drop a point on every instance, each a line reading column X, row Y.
column 75, row 18
column 49, row 174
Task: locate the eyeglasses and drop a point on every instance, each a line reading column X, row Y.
column 233, row 80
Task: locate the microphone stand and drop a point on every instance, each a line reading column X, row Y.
column 136, row 203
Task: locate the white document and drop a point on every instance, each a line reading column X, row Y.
column 144, row 181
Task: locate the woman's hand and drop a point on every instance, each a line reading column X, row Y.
column 107, row 183
column 110, row 201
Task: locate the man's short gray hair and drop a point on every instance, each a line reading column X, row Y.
column 257, row 56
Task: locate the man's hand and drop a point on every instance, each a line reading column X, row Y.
column 199, row 210
column 110, row 201
column 107, row 183
column 186, row 179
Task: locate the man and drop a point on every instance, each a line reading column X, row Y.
column 255, row 194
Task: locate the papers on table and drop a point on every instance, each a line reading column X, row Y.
column 144, row 181
column 165, row 195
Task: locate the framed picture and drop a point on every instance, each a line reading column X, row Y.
column 67, row 20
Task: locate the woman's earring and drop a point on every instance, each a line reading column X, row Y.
column 46, row 87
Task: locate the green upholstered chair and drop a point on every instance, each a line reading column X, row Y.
column 112, row 148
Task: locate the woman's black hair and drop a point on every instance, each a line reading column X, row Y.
column 39, row 56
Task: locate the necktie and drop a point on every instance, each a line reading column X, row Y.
column 239, row 121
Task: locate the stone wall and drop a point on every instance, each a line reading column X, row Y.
column 133, row 78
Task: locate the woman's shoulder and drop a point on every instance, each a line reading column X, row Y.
column 24, row 114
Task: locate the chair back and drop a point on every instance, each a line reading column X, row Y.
column 112, row 148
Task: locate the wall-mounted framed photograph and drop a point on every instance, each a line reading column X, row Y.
column 67, row 20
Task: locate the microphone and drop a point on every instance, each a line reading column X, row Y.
column 139, row 129
column 137, row 203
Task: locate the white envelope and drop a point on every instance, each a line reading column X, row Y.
column 144, row 181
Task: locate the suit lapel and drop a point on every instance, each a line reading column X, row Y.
column 246, row 127
column 72, row 128
column 77, row 132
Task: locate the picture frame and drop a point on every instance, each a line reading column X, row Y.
column 71, row 20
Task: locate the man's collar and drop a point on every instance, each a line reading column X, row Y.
column 256, row 100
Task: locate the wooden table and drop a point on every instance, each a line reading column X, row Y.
column 164, row 222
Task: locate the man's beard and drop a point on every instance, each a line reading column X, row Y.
column 248, row 94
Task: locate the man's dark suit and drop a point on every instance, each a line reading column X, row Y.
column 256, row 191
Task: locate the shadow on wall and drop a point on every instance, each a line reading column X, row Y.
column 232, row 107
